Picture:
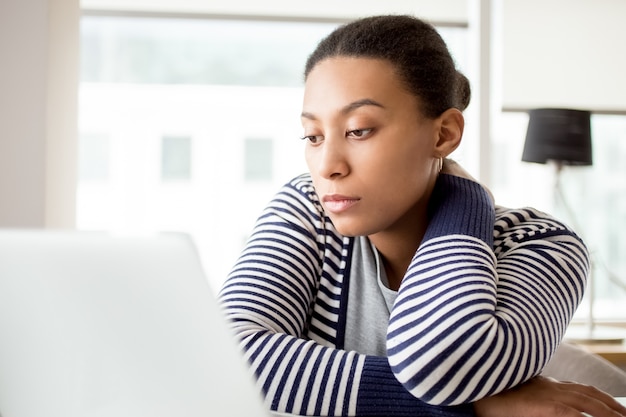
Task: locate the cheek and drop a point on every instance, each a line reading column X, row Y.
column 407, row 161
column 309, row 158
column 409, row 170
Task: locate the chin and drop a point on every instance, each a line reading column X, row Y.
column 350, row 230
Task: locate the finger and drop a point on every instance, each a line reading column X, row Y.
column 591, row 400
column 610, row 406
column 600, row 395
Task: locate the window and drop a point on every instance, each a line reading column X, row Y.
column 233, row 87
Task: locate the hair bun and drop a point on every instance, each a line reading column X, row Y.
column 463, row 91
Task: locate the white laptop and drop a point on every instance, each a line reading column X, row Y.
column 94, row 325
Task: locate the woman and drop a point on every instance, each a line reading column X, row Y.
column 385, row 282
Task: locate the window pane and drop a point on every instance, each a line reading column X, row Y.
column 195, row 51
column 175, row 158
column 597, row 197
column 94, row 154
column 258, row 159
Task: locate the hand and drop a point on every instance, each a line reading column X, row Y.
column 546, row 397
column 451, row 167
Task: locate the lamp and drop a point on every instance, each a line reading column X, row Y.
column 563, row 137
column 560, row 135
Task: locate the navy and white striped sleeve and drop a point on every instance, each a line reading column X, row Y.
column 476, row 316
column 273, row 298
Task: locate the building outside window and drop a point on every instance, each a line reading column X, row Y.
column 258, row 159
column 175, row 158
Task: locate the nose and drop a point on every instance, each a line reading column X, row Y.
column 332, row 161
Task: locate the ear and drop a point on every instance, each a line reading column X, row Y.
column 450, row 125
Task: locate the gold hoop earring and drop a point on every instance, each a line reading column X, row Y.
column 440, row 164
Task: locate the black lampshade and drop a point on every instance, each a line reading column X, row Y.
column 561, row 135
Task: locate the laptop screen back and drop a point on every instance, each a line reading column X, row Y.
column 93, row 325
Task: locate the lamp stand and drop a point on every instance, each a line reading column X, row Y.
column 591, row 334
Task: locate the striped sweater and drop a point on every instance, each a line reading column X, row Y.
column 482, row 307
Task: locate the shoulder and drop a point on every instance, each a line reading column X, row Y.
column 526, row 221
column 516, row 226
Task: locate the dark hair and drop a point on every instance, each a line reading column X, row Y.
column 413, row 46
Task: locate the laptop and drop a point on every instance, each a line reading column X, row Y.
column 97, row 325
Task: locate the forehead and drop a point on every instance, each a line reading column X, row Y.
column 345, row 79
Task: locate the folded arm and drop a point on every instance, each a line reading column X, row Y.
column 473, row 319
column 283, row 300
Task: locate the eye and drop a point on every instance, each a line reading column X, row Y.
column 313, row 139
column 359, row 133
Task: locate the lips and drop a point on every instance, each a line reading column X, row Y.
column 336, row 203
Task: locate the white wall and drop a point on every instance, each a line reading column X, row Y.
column 564, row 53
column 38, row 112
column 22, row 112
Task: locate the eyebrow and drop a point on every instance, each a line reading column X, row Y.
column 349, row 107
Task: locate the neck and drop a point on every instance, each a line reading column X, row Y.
column 397, row 248
column 398, row 243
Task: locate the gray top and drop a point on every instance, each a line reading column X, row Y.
column 369, row 301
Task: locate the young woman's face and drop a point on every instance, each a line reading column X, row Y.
column 370, row 151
